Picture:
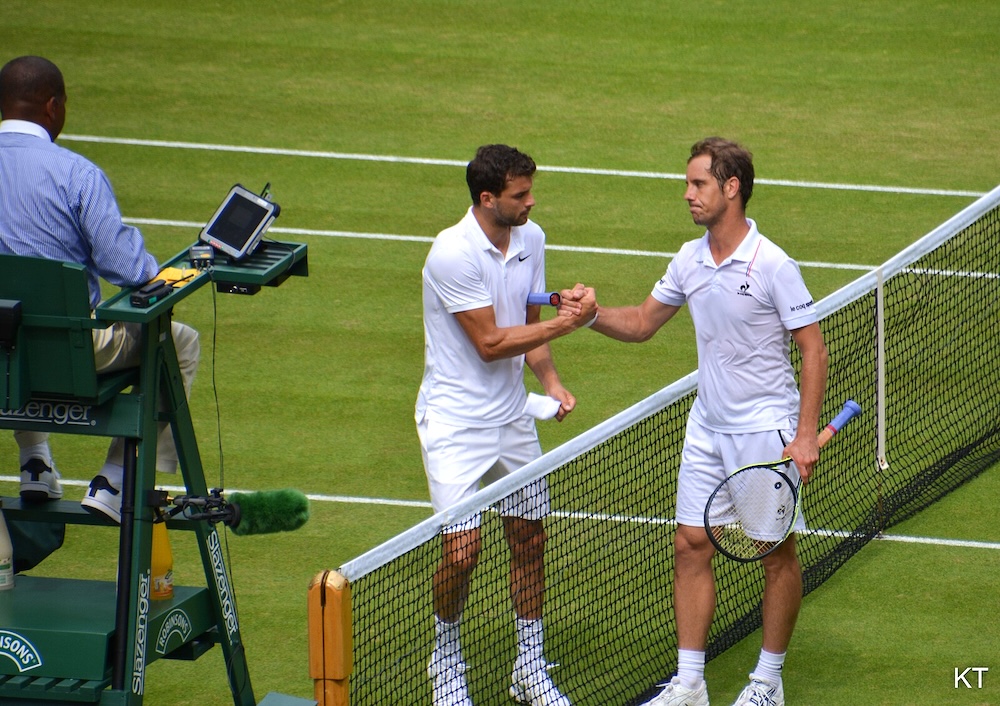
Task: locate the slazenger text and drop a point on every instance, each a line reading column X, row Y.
column 222, row 583
column 59, row 413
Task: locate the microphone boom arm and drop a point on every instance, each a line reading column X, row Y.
column 211, row 508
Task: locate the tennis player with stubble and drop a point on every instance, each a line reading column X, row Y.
column 748, row 302
column 479, row 332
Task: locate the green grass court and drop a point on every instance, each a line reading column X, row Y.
column 316, row 380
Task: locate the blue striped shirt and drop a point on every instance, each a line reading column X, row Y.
column 59, row 205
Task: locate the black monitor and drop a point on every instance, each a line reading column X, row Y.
column 239, row 223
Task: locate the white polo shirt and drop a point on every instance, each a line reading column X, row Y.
column 464, row 271
column 743, row 311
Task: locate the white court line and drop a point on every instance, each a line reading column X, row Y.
column 314, row 154
column 426, row 239
column 595, row 516
column 968, row 544
column 604, row 517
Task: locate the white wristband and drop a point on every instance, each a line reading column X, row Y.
column 591, row 322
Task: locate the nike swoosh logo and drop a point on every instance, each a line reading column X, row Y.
column 522, row 259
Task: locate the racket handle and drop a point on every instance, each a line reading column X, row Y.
column 544, row 299
column 850, row 411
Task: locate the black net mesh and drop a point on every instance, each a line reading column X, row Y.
column 609, row 621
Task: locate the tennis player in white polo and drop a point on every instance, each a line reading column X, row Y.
column 748, row 303
column 479, row 331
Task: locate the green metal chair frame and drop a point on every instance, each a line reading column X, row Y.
column 46, row 339
column 47, row 364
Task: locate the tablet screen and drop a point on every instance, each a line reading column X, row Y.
column 238, row 224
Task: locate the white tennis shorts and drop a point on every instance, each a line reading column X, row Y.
column 708, row 457
column 458, row 459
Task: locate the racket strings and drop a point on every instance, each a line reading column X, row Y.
column 752, row 512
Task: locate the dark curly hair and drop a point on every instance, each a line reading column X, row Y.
column 493, row 167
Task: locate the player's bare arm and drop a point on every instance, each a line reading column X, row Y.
column 540, row 361
column 494, row 342
column 634, row 324
column 543, row 366
column 803, row 449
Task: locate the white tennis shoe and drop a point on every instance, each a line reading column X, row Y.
column 761, row 692
column 450, row 687
column 104, row 499
column 40, row 482
column 676, row 695
column 535, row 688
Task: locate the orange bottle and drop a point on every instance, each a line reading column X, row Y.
column 162, row 563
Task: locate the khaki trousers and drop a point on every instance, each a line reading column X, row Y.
column 118, row 347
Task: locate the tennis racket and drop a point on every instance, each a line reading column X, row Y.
column 544, row 298
column 754, row 510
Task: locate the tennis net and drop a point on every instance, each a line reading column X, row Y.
column 906, row 342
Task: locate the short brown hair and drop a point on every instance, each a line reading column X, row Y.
column 729, row 159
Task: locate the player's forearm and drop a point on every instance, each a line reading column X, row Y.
column 812, row 380
column 512, row 341
column 623, row 324
column 812, row 387
column 539, row 360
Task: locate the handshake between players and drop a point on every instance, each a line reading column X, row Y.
column 580, row 301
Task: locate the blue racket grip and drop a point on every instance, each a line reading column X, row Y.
column 850, row 411
column 544, row 299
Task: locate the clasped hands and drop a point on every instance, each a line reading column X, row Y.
column 579, row 302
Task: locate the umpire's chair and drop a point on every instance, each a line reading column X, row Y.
column 66, row 640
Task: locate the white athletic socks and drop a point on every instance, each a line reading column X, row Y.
column 447, row 645
column 113, row 472
column 529, row 644
column 690, row 668
column 39, row 451
column 769, row 666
